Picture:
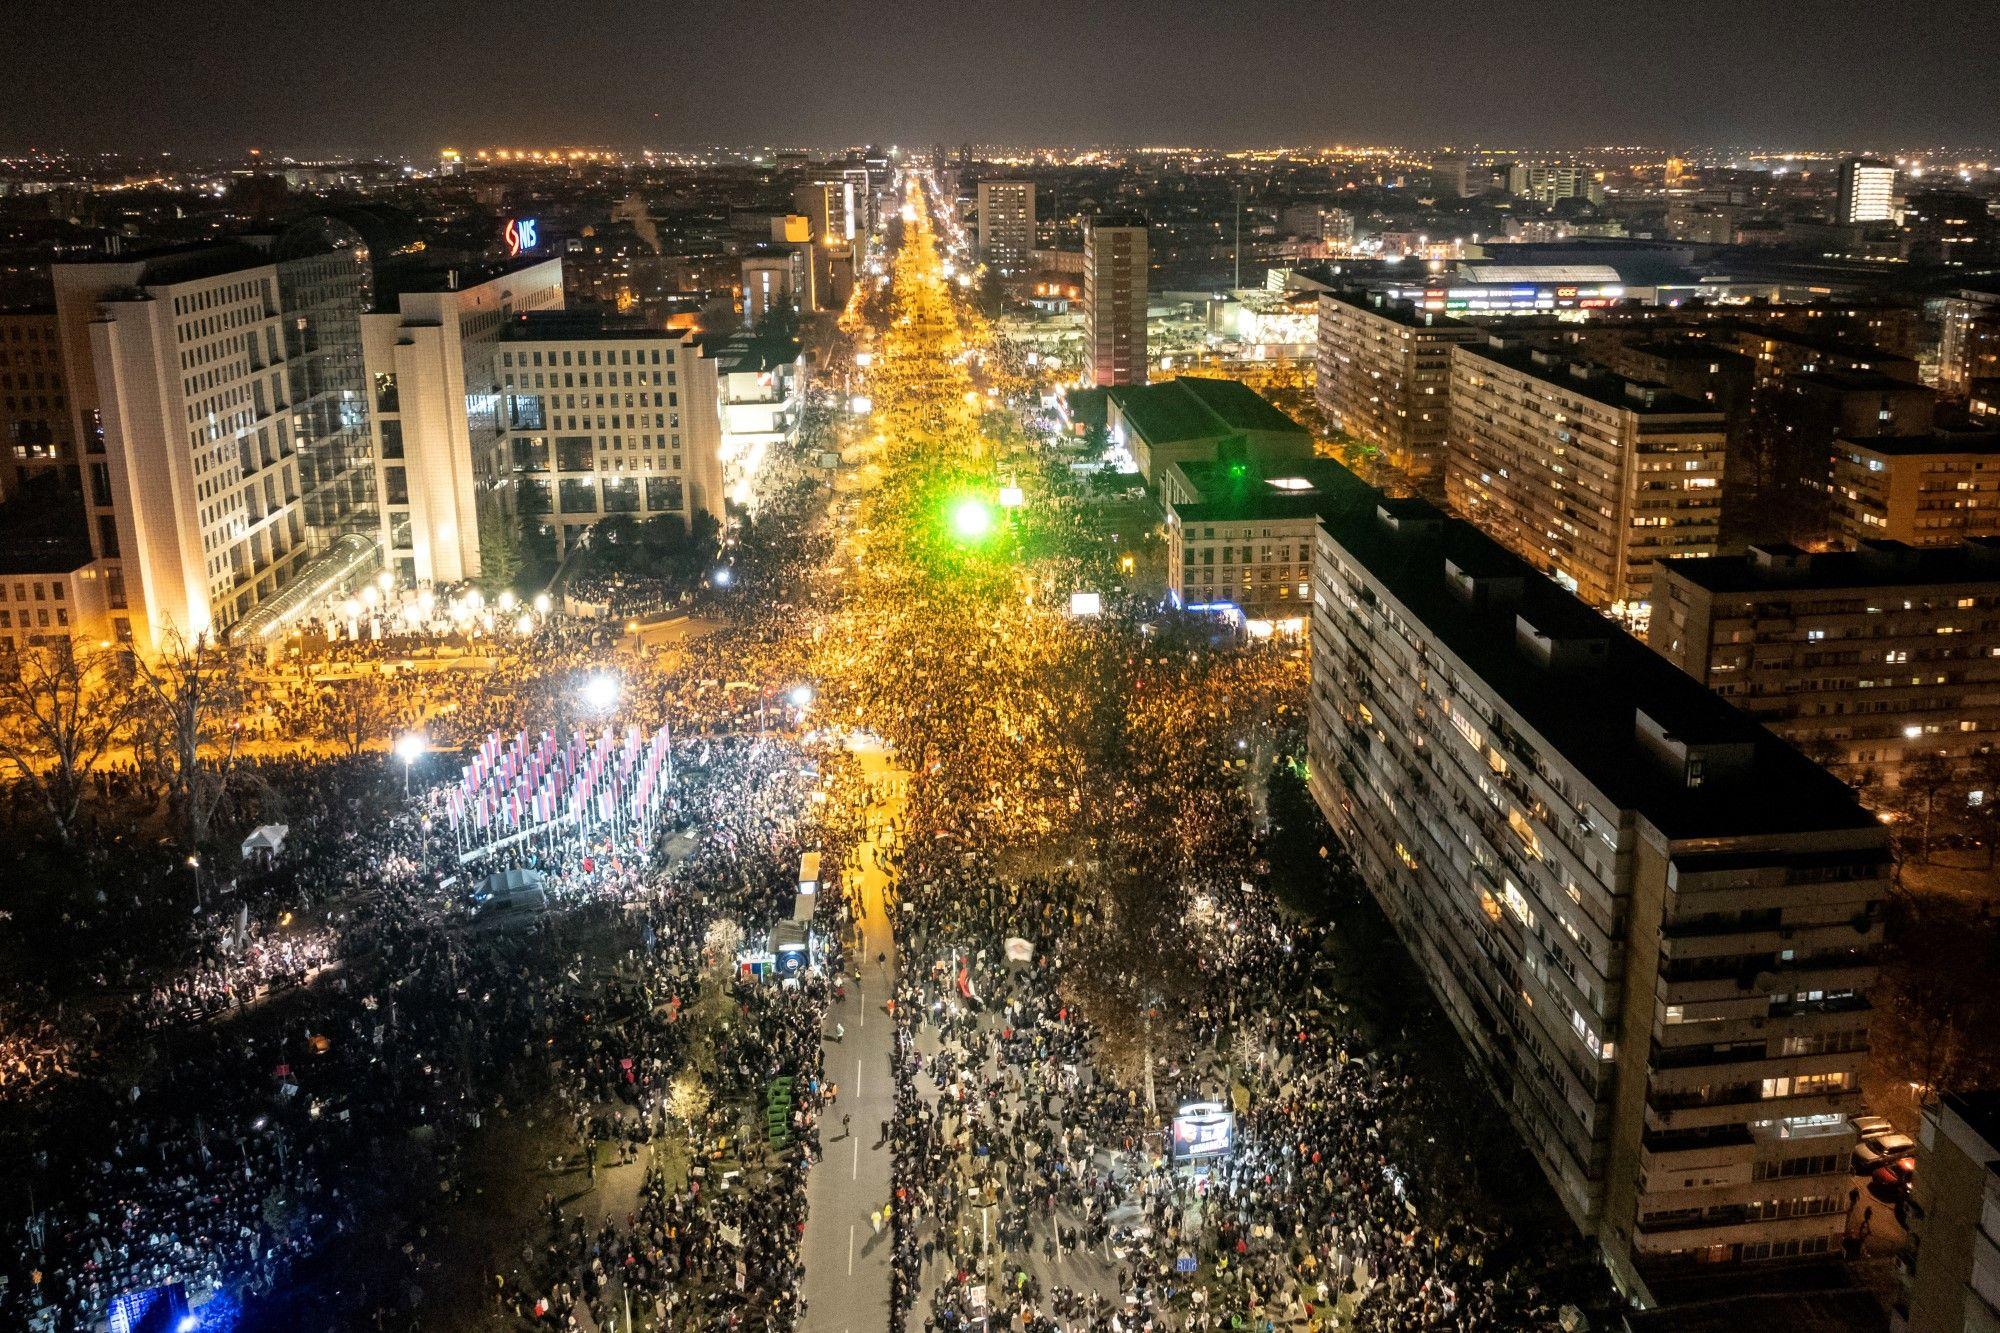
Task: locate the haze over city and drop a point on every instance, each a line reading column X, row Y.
column 374, row 77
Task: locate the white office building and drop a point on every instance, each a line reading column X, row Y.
column 446, row 482
column 609, row 417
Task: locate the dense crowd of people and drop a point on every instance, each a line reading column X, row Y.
column 227, row 1159
column 1082, row 925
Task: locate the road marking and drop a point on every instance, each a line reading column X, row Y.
column 855, row 1174
column 850, row 1249
column 857, row 1078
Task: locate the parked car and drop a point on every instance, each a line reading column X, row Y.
column 1874, row 1152
column 1890, row 1182
column 1868, row 1126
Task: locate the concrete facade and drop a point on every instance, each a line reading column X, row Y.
column 1115, row 282
column 1589, row 476
column 1653, row 924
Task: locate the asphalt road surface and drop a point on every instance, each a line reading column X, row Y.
column 846, row 1256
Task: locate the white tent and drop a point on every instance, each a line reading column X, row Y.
column 267, row 839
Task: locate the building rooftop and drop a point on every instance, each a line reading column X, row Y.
column 1874, row 356
column 55, row 559
column 1591, row 380
column 1088, row 407
column 1981, row 1113
column 1690, row 350
column 1233, row 490
column 1857, row 381
column 42, row 529
column 168, row 265
column 750, row 353
column 1192, row 408
column 1722, row 1310
column 1585, row 707
column 1876, row 564
column 582, row 326
column 1387, row 307
column 1592, row 275
column 401, row 277
column 1937, row 442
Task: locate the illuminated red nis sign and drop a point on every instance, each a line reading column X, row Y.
column 521, row 235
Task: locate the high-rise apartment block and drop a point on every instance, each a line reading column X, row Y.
column 759, row 396
column 1951, row 1282
column 832, row 209
column 1867, row 191
column 1461, row 177
column 1927, row 490
column 1779, row 352
column 1007, row 225
column 1549, row 184
column 653, row 451
column 1115, row 261
column 1384, row 376
column 1969, row 349
column 1588, row 475
column 1653, row 924
column 1864, row 659
column 36, row 430
column 770, row 279
column 861, row 196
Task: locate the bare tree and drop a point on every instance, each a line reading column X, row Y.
column 189, row 699
column 62, row 709
column 1942, row 1026
column 1983, row 773
column 1922, row 786
column 355, row 712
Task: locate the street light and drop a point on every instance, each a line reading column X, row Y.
column 801, row 696
column 971, row 520
column 721, row 577
column 600, row 692
column 410, row 747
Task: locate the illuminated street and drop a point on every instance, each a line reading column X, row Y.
column 941, row 668
column 645, row 1082
column 847, row 1251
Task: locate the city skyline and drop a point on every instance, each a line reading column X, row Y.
column 1031, row 73
column 1147, row 667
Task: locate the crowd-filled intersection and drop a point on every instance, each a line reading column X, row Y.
column 1047, row 926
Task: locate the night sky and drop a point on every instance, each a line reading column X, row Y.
column 408, row 76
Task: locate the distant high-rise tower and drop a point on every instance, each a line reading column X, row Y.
column 1007, row 224
column 832, row 207
column 1114, row 301
column 1867, row 190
